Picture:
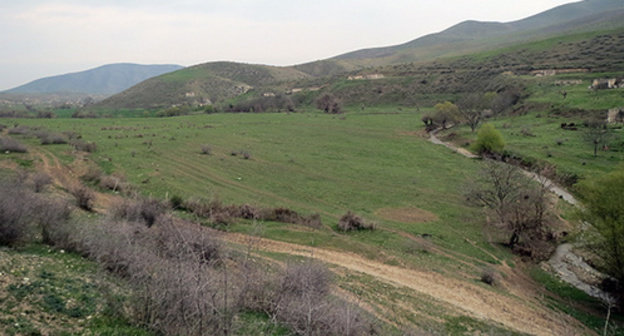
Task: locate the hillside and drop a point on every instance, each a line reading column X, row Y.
column 460, row 59
column 472, row 36
column 104, row 80
column 202, row 84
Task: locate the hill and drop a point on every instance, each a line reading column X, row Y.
column 432, row 64
column 472, row 36
column 104, row 80
column 201, row 84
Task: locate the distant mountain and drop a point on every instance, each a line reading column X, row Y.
column 472, row 36
column 104, row 80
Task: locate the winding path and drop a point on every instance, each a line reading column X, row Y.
column 564, row 261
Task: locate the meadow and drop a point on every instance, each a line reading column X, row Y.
column 376, row 163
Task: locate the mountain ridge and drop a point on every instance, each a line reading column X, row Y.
column 104, row 80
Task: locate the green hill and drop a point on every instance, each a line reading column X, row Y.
column 472, row 36
column 202, row 84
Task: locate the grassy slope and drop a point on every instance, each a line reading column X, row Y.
column 210, row 81
column 47, row 292
column 574, row 154
column 313, row 163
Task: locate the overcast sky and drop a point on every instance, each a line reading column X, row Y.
column 42, row 38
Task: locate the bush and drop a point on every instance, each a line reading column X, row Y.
column 40, row 180
column 206, row 150
column 53, row 219
column 89, row 147
column 52, row 139
column 84, row 197
column 176, row 202
column 489, row 140
column 353, row 222
column 144, row 211
column 10, row 145
column 487, row 276
column 16, row 213
column 92, row 175
column 19, row 130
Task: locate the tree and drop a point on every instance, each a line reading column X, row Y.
column 597, row 132
column 471, row 109
column 489, row 140
column 603, row 211
column 444, row 113
column 518, row 205
column 329, row 104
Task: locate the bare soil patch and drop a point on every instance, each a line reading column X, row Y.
column 409, row 215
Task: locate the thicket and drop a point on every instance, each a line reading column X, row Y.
column 184, row 280
column 219, row 213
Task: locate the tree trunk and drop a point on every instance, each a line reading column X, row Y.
column 513, row 240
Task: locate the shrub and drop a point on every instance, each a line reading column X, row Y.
column 16, row 213
column 53, row 219
column 489, row 140
column 112, row 182
column 176, row 202
column 51, row 138
column 206, row 150
column 40, row 180
column 92, row 175
column 10, row 145
column 89, row 147
column 487, row 276
column 144, row 211
column 84, row 197
column 353, row 222
column 19, row 130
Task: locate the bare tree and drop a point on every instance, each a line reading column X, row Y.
column 519, row 204
column 471, row 108
column 329, row 104
column 597, row 132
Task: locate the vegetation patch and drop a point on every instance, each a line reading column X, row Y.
column 408, row 215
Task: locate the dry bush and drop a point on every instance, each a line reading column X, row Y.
column 53, row 217
column 92, row 175
column 302, row 302
column 19, row 130
column 488, row 276
column 206, row 150
column 145, row 210
column 16, row 213
column 2, row 127
column 40, row 180
column 285, row 215
column 353, row 222
column 83, row 146
column 48, row 138
column 8, row 144
column 84, row 197
column 114, row 183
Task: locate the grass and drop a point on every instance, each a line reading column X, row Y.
column 574, row 302
column 308, row 162
column 47, row 291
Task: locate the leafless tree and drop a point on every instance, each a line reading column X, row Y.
column 471, row 108
column 518, row 204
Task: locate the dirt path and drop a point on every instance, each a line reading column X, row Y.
column 515, row 311
column 559, row 191
column 469, row 298
column 567, row 265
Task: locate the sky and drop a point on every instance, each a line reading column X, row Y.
column 43, row 38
